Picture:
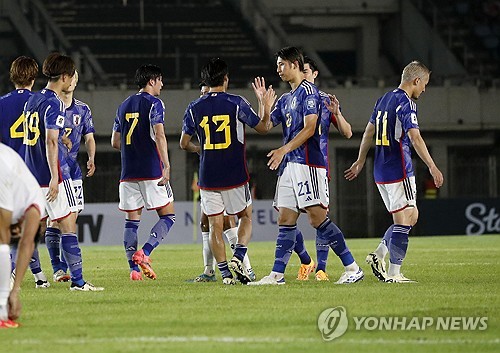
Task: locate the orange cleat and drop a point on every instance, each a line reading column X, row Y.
column 144, row 263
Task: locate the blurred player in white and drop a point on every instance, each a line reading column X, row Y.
column 395, row 127
column 22, row 203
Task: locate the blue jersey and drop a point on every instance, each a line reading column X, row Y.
column 44, row 110
column 78, row 123
column 134, row 120
column 394, row 114
column 290, row 111
column 219, row 120
column 325, row 119
column 12, row 119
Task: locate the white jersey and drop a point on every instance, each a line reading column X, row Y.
column 19, row 190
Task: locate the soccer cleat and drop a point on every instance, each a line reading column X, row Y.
column 305, row 271
column 251, row 274
column 203, row 278
column 240, row 270
column 8, row 324
column 87, row 287
column 378, row 266
column 266, row 281
column 42, row 284
column 135, row 276
column 321, row 276
column 399, row 278
column 61, row 276
column 229, row 281
column 351, row 277
column 144, row 263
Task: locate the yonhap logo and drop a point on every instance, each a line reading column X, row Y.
column 332, row 323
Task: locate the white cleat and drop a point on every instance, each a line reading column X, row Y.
column 351, row 277
column 378, row 266
column 399, row 278
column 42, row 284
column 87, row 287
column 266, row 281
column 229, row 281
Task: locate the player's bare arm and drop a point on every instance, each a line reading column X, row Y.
column 115, row 140
column 339, row 121
column 366, row 143
column 187, row 145
column 90, row 146
column 161, row 143
column 276, row 156
column 422, row 151
column 52, row 160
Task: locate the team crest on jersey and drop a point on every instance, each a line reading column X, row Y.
column 60, row 121
column 310, row 103
column 294, row 103
column 77, row 119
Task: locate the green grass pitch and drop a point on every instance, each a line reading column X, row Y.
column 458, row 276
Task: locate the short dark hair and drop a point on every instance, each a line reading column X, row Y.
column 23, row 71
column 312, row 63
column 201, row 84
column 214, row 71
column 145, row 73
column 291, row 54
column 56, row 65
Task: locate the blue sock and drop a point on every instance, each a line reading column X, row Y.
column 300, row 249
column 13, row 256
column 52, row 241
column 337, row 241
column 73, row 256
column 284, row 247
column 158, row 232
column 399, row 243
column 387, row 236
column 240, row 251
column 64, row 265
column 35, row 266
column 130, row 241
column 224, row 270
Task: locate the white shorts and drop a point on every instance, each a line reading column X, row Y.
column 301, row 186
column 65, row 202
column 398, row 196
column 78, row 191
column 134, row 195
column 230, row 201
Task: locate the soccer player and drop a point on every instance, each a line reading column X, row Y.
column 395, row 126
column 21, row 202
column 219, row 119
column 23, row 72
column 230, row 231
column 78, row 123
column 139, row 133
column 44, row 126
column 302, row 183
column 330, row 115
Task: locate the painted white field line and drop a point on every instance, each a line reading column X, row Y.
column 230, row 340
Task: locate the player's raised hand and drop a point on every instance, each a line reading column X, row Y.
column 333, row 105
column 276, row 156
column 259, row 87
column 351, row 173
column 269, row 97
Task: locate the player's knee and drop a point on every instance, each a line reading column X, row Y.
column 204, row 226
